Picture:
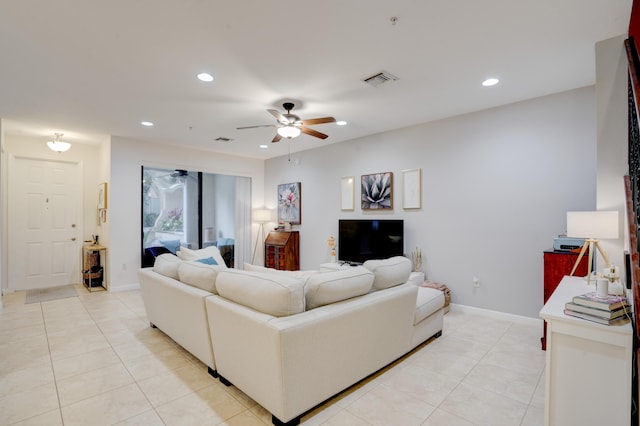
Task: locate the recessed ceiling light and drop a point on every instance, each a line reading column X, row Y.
column 264, row 146
column 490, row 82
column 341, row 123
column 146, row 123
column 205, row 76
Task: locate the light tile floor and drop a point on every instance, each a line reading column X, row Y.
column 94, row 360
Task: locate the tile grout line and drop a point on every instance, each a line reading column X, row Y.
column 467, row 374
column 53, row 370
column 122, row 361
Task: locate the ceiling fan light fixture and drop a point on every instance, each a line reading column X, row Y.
column 289, row 132
column 57, row 145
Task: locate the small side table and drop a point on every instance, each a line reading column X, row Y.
column 94, row 266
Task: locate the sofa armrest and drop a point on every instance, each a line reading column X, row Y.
column 179, row 311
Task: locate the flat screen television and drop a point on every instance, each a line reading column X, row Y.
column 363, row 239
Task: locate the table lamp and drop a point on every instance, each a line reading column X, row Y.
column 592, row 226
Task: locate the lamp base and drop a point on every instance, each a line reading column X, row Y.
column 588, row 244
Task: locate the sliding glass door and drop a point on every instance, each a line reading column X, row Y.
column 182, row 208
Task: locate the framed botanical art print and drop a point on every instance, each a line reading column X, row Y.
column 289, row 203
column 376, row 191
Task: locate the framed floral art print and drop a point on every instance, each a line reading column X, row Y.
column 289, row 203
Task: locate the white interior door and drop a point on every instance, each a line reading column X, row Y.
column 43, row 223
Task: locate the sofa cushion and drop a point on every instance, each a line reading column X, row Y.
column 389, row 272
column 167, row 264
column 294, row 274
column 330, row 287
column 429, row 301
column 197, row 274
column 210, row 251
column 273, row 294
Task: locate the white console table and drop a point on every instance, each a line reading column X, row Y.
column 588, row 369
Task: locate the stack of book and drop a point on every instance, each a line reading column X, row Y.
column 608, row 310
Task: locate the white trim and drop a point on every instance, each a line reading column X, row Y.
column 496, row 315
column 121, row 288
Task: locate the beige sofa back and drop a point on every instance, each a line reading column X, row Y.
column 290, row 364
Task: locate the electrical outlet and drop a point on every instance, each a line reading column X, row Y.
column 476, row 282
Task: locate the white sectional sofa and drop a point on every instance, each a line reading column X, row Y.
column 292, row 339
column 174, row 291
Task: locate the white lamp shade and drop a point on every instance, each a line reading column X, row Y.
column 262, row 215
column 594, row 224
column 289, row 132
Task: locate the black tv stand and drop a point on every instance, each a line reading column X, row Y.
column 348, row 262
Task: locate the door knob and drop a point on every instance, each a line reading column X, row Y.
column 73, row 239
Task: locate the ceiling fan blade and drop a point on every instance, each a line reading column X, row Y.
column 277, row 138
column 312, row 132
column 254, row 127
column 322, row 120
column 281, row 118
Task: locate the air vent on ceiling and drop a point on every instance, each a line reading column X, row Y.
column 380, row 78
column 223, row 139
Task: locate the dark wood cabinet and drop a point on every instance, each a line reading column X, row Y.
column 282, row 250
column 557, row 264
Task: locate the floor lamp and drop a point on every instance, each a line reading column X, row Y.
column 260, row 216
column 592, row 226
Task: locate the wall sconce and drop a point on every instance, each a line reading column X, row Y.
column 57, row 145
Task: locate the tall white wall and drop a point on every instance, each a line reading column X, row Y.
column 496, row 186
column 126, row 159
column 612, row 136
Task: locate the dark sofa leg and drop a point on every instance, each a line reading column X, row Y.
column 293, row 422
column 224, row 381
column 212, row 372
column 438, row 334
column 152, row 325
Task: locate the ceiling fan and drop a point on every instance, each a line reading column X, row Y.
column 290, row 125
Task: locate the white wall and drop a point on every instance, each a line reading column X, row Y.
column 496, row 186
column 612, row 136
column 127, row 158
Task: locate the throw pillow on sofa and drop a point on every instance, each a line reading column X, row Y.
column 334, row 286
column 272, row 294
column 197, row 274
column 210, row 251
column 167, row 264
column 389, row 272
column 208, row 261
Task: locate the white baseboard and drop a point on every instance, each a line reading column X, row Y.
column 497, row 315
column 128, row 287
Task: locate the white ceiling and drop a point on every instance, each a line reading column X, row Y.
column 93, row 68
